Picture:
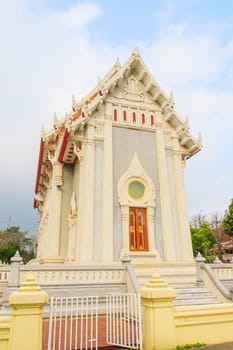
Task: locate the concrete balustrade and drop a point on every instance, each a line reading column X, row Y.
column 223, row 271
column 164, row 326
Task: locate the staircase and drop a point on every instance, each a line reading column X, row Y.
column 183, row 280
column 228, row 283
column 194, row 294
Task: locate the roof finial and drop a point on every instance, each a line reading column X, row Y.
column 100, row 87
column 74, row 104
column 67, row 122
column 171, row 99
column 136, row 52
column 42, row 132
column 186, row 122
column 117, row 63
column 55, row 121
column 199, row 140
column 84, row 109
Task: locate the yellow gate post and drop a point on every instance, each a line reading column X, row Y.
column 5, row 324
column 27, row 304
column 158, row 315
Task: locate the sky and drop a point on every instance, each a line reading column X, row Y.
column 51, row 49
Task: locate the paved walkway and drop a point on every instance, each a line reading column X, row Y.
column 225, row 346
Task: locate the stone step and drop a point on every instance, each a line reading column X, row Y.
column 171, row 281
column 172, row 278
column 207, row 296
column 194, row 295
column 190, row 302
column 184, row 282
column 192, row 290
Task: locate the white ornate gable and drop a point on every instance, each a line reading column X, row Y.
column 134, row 172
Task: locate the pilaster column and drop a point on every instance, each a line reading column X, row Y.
column 86, row 200
column 71, row 240
column 185, row 242
column 54, row 221
column 125, row 229
column 165, row 202
column 43, row 234
column 79, row 191
column 151, row 223
column 107, row 189
column 72, row 219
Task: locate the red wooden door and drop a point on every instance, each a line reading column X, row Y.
column 138, row 239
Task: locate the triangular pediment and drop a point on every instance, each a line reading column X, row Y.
column 132, row 90
column 135, row 81
column 133, row 84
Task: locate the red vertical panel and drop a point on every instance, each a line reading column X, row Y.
column 134, row 117
column 152, row 120
column 63, row 146
column 124, row 116
column 143, row 118
column 115, row 115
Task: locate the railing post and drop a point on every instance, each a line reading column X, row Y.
column 125, row 259
column 131, row 279
column 158, row 315
column 200, row 260
column 27, row 304
column 14, row 276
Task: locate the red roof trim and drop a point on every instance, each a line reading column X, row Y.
column 41, row 155
column 39, row 165
column 63, row 146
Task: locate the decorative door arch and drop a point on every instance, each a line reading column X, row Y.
column 136, row 193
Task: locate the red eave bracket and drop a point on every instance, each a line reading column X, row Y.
column 63, row 146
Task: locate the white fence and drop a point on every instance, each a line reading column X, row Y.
column 75, row 322
column 123, row 321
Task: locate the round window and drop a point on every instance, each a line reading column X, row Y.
column 136, row 190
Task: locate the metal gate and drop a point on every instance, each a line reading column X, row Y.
column 74, row 322
column 123, row 320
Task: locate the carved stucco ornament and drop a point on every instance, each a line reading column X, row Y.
column 131, row 91
column 136, row 172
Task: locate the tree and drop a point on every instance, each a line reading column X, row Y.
column 203, row 241
column 198, row 219
column 11, row 240
column 7, row 251
column 228, row 220
column 216, row 220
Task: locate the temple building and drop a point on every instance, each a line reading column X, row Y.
column 110, row 180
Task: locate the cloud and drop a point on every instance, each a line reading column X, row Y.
column 48, row 55
column 78, row 16
column 184, row 59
